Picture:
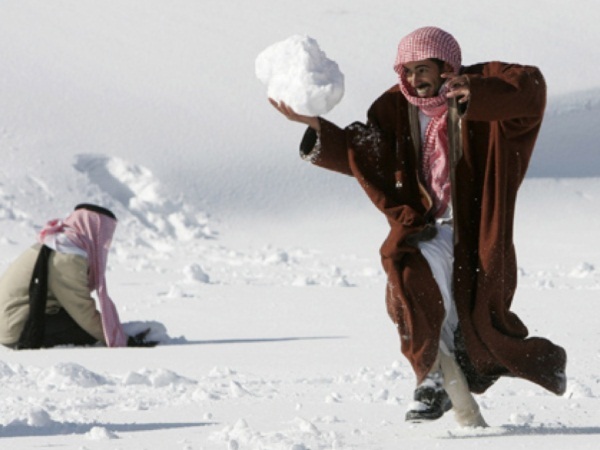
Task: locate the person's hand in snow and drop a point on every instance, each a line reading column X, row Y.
column 139, row 340
column 292, row 115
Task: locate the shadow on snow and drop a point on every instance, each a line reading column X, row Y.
column 259, row 340
column 524, row 430
column 59, row 428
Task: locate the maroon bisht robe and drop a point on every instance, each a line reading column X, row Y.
column 491, row 143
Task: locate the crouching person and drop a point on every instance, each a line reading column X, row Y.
column 45, row 294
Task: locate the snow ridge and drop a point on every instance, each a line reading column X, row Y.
column 583, row 101
column 136, row 189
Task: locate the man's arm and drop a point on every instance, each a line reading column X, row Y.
column 324, row 143
column 507, row 92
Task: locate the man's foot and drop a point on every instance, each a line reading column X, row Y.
column 430, row 403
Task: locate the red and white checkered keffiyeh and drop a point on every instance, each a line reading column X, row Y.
column 421, row 44
column 93, row 232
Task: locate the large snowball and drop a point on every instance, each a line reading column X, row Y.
column 298, row 73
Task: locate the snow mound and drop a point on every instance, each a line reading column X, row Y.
column 135, row 188
column 100, row 434
column 300, row 434
column 298, row 73
column 583, row 270
column 160, row 378
column 195, row 273
column 64, row 376
column 36, row 417
column 5, row 370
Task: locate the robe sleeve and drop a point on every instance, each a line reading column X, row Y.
column 506, row 92
column 327, row 148
column 341, row 149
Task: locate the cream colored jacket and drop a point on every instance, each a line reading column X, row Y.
column 67, row 288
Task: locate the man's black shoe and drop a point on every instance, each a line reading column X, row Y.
column 430, row 403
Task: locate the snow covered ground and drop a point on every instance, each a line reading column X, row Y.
column 274, row 332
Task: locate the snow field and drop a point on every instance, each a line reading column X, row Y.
column 259, row 274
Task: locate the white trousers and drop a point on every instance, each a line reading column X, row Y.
column 439, row 253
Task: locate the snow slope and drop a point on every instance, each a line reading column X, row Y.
column 159, row 83
column 567, row 142
column 274, row 334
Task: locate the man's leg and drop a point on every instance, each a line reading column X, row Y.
column 466, row 410
column 61, row 329
column 430, row 400
column 416, row 306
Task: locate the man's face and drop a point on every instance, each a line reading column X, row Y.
column 424, row 77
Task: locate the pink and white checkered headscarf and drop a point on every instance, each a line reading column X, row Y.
column 93, row 232
column 421, row 44
column 428, row 42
